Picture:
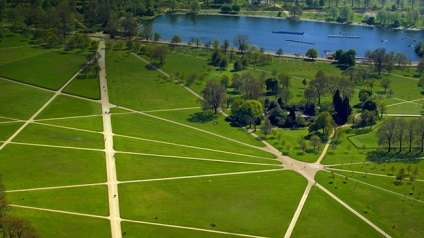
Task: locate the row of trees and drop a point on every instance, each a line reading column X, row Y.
column 397, row 132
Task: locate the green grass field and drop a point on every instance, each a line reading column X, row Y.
column 20, row 101
column 132, row 85
column 66, row 106
column 263, row 198
column 59, row 167
column 85, row 87
column 384, row 209
column 7, row 129
column 49, row 70
column 91, row 123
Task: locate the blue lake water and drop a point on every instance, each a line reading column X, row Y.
column 259, row 30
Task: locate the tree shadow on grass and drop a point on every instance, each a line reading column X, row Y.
column 202, row 117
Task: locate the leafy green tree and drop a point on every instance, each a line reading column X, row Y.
column 312, row 53
column 195, row 7
column 266, row 128
column 159, row 53
column 385, row 83
column 323, row 121
column 246, row 111
column 129, row 26
column 296, row 10
column 173, row 4
column 176, row 39
column 156, row 36
column 315, row 141
column 214, row 95
column 147, row 32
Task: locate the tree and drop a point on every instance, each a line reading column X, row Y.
column 312, row 53
column 246, row 111
column 176, row 39
column 400, row 132
column 377, row 56
column 322, row 121
column 147, row 32
column 346, row 14
column 266, row 128
column 319, row 84
column 420, row 66
column 159, row 53
column 241, row 42
column 315, row 141
column 173, row 4
column 385, row 83
column 3, row 200
column 130, row 26
column 302, row 143
column 156, row 36
column 382, row 107
column 214, row 95
column 279, row 52
column 386, row 134
column 195, row 6
column 296, row 10
column 410, row 132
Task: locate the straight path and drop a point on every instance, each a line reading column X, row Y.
column 112, row 182
column 298, row 210
column 352, row 210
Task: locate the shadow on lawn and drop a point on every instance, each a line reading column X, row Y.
column 202, row 117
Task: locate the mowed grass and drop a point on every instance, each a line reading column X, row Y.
column 146, row 127
column 386, row 167
column 48, row 135
column 52, row 225
column 7, row 129
column 49, row 70
column 33, row 167
column 152, row 231
column 338, row 221
column 132, row 85
column 88, row 200
column 85, row 87
column 138, row 167
column 214, row 123
column 66, row 106
column 15, row 54
column 12, row 40
column 91, row 123
column 382, row 208
column 124, row 145
column 406, row 108
column 234, row 203
column 21, row 101
column 408, row 188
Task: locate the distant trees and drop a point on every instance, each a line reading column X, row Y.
column 129, row 26
column 345, row 57
column 323, row 121
column 214, row 95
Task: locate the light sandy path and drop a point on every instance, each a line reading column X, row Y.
column 372, row 174
column 352, row 210
column 115, row 219
column 59, row 211
column 298, row 210
column 55, row 187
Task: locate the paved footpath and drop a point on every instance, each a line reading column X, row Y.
column 112, row 185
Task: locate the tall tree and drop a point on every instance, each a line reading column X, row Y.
column 266, row 128
column 400, row 131
column 129, row 26
column 214, row 95
column 385, row 83
column 319, row 84
column 241, row 42
column 312, row 53
column 377, row 56
column 386, row 133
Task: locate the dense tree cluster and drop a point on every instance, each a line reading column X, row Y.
column 419, row 48
column 398, row 132
column 247, row 112
column 347, row 58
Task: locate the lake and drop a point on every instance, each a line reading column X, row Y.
column 260, row 32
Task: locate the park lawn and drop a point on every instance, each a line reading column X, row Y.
column 12, row 40
column 124, row 145
column 119, row 110
column 368, row 139
column 48, row 135
column 385, row 209
column 53, row 225
column 7, row 129
column 260, row 204
column 84, row 87
column 214, row 123
column 301, row 68
column 406, row 188
column 147, row 127
column 140, row 167
column 132, row 85
column 22, row 165
column 152, row 231
column 291, row 137
column 12, row 55
column 386, row 167
column 21, row 101
column 88, row 200
column 406, row 108
column 67, row 106
column 91, row 123
column 49, row 70
column 339, row 221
